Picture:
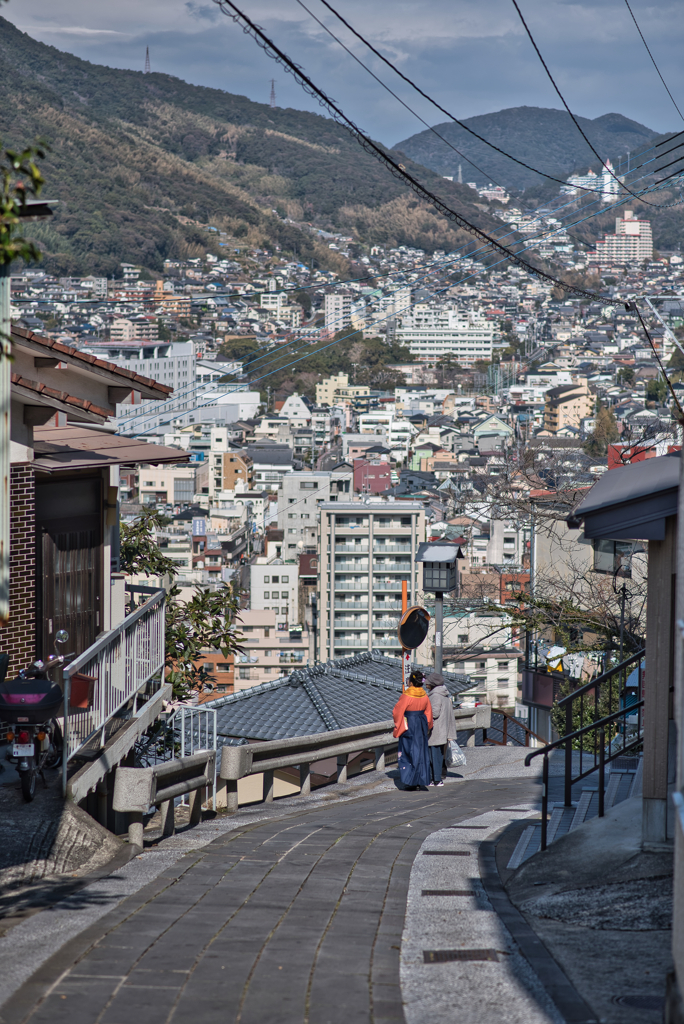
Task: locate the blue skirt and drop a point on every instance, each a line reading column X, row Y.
column 414, row 757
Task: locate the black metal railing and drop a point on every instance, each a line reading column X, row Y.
column 613, row 735
column 620, row 688
column 510, row 731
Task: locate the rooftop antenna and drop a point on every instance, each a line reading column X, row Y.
column 147, row 61
column 273, row 99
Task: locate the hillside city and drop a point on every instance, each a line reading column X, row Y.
column 341, row 568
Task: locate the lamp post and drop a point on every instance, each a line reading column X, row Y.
column 440, row 575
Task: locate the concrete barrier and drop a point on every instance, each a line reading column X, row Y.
column 138, row 789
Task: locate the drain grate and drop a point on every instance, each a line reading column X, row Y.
column 641, row 1002
column 447, row 892
column 446, row 853
column 446, row 956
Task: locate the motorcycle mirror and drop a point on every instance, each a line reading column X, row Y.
column 61, row 636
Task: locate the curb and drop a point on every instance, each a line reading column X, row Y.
column 557, row 985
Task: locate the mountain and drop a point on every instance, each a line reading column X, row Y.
column 542, row 137
column 141, row 164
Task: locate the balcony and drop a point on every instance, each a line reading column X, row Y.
column 352, row 623
column 353, row 549
column 363, row 587
column 355, row 566
column 404, row 567
column 385, row 623
column 386, row 641
column 381, row 584
column 388, row 606
column 360, row 644
column 349, row 605
column 380, row 547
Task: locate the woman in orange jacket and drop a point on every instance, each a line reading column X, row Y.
column 412, row 722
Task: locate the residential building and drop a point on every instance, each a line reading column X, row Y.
column 334, row 390
column 269, row 650
column 631, row 243
column 166, row 485
column 365, row 550
column 270, row 463
column 567, row 406
column 136, row 329
column 372, row 475
column 433, row 331
column 338, row 311
column 238, row 471
column 274, row 586
column 299, row 496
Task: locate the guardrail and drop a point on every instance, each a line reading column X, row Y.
column 104, row 678
column 136, row 790
column 249, row 759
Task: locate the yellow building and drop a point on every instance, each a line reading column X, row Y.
column 337, row 389
column 567, row 405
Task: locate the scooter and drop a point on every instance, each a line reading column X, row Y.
column 29, row 704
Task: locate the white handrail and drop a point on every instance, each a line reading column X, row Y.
column 120, row 663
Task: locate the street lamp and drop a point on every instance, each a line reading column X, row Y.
column 440, row 574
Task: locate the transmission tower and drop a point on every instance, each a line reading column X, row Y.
column 273, row 101
column 147, row 61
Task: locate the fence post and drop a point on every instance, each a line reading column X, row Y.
column 196, row 801
column 268, row 787
column 379, row 753
column 602, row 774
column 231, row 795
column 304, row 779
column 135, row 829
column 505, row 730
column 568, row 755
column 545, row 800
column 167, row 817
column 342, row 760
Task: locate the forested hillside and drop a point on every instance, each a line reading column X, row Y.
column 141, row 164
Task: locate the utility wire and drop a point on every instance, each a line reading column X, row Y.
column 391, row 92
column 576, row 123
column 438, row 106
column 272, row 50
column 653, row 61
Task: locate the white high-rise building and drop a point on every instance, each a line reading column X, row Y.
column 338, row 311
column 610, row 186
column 433, row 331
column 631, row 243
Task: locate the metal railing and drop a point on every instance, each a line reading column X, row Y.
column 344, row 605
column 112, row 671
column 598, row 742
column 618, row 688
column 513, row 732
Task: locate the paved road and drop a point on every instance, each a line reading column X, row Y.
column 292, row 920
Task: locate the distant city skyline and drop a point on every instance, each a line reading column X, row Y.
column 473, row 58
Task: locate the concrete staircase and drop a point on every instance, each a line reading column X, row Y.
column 623, row 779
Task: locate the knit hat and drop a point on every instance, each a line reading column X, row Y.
column 434, row 679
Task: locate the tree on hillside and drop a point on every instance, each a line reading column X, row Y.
column 604, row 433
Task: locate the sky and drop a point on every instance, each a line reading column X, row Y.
column 472, row 56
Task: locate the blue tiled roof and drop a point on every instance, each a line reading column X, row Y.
column 319, row 698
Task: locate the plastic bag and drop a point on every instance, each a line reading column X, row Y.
column 455, row 758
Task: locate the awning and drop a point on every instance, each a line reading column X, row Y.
column 71, row 447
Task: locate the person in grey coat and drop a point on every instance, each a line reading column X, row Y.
column 444, row 727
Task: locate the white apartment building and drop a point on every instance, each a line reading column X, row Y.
column 434, row 331
column 396, row 431
column 162, row 485
column 274, row 587
column 338, row 310
column 299, row 496
column 365, row 550
column 631, row 243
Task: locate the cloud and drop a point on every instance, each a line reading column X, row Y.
column 472, row 57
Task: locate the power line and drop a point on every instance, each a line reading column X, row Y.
column 576, row 123
column 438, row 106
column 653, row 60
column 392, row 93
column 272, row 50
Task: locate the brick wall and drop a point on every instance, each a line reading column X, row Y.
column 18, row 638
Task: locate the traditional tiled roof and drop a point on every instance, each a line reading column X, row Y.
column 340, row 694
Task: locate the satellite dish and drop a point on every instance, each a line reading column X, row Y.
column 413, row 628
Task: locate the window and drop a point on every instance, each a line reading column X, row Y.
column 275, row 579
column 292, row 515
column 267, row 631
column 284, row 579
column 503, row 665
column 463, row 638
column 305, row 515
column 223, row 666
column 308, row 485
column 267, row 579
column 244, row 673
column 246, row 629
column 267, row 595
column 292, row 531
column 267, row 654
column 283, row 594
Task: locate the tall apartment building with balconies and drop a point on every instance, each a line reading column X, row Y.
column 338, row 311
column 631, row 243
column 365, row 550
